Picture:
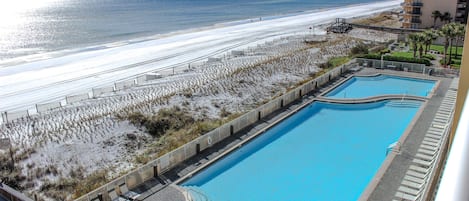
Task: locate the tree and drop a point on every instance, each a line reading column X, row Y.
column 414, row 40
column 446, row 32
column 446, row 17
column 421, row 43
column 460, row 31
column 429, row 37
column 436, row 14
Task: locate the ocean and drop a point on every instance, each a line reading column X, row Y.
column 44, row 26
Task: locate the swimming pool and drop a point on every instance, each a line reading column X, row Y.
column 324, row 152
column 362, row 87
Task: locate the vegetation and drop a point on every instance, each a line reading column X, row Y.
column 398, row 58
column 410, row 55
column 436, row 15
column 415, row 39
column 422, row 42
column 359, row 49
column 451, row 32
column 334, row 62
column 441, row 48
column 428, row 37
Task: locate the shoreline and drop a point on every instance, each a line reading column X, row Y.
column 78, row 73
column 233, row 84
column 10, row 62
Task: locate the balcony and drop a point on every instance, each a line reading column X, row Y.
column 412, row 4
column 455, row 180
column 416, row 21
column 416, row 12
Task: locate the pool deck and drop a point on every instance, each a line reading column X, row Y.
column 392, row 178
column 163, row 188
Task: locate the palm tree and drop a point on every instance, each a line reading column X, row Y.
column 446, row 17
column 436, row 14
column 446, row 32
column 414, row 40
column 429, row 37
column 460, row 31
column 421, row 42
column 455, row 33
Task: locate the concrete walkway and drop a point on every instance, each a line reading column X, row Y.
column 393, row 177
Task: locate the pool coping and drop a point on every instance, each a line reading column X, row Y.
column 423, row 77
column 373, row 183
column 370, row 188
column 244, row 141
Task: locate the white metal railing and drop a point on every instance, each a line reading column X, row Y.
column 455, row 177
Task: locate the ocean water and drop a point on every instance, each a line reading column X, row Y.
column 41, row 26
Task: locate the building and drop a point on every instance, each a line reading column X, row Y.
column 461, row 12
column 418, row 13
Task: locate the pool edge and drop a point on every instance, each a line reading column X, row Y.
column 373, row 183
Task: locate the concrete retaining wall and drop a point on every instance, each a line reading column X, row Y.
column 175, row 157
column 47, row 106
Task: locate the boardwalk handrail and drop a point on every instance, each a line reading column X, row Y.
column 387, row 29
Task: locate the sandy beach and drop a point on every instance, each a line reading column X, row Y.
column 248, row 65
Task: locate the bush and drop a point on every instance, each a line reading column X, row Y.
column 378, row 49
column 425, row 61
column 429, row 56
column 442, row 62
column 359, row 49
column 385, row 51
column 334, row 62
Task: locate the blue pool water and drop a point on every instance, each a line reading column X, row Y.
column 362, row 87
column 324, row 152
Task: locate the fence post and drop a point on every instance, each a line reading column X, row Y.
column 155, row 171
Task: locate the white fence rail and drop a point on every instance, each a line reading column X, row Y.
column 455, row 180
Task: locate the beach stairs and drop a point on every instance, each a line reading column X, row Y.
column 420, row 172
column 196, row 193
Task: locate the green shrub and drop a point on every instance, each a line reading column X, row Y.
column 455, row 63
column 425, row 61
column 359, row 49
column 429, row 56
column 385, row 51
column 156, row 125
column 378, row 48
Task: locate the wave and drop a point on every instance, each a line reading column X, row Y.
column 41, row 54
